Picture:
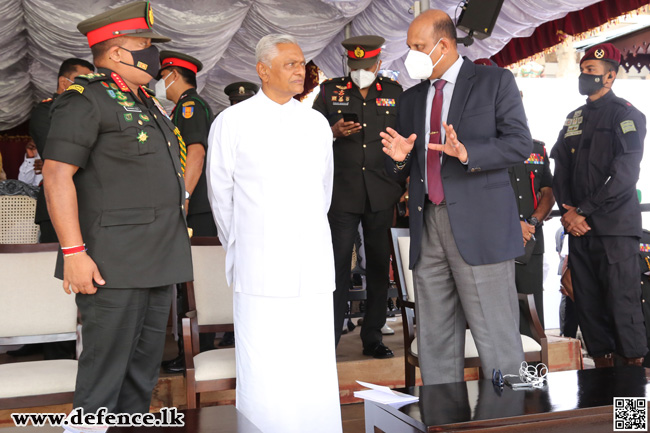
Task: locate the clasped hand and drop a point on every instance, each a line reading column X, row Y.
column 573, row 223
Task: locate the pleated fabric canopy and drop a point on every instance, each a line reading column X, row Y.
column 37, row 35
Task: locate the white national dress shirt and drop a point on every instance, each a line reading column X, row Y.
column 269, row 173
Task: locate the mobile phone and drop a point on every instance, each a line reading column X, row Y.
column 350, row 117
column 401, row 208
column 516, row 382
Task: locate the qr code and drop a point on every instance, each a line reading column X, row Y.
column 630, row 414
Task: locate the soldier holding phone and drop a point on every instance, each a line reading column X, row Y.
column 358, row 107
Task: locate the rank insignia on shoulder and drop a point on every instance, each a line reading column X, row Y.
column 628, row 126
column 188, row 111
column 142, row 137
column 76, row 87
column 128, row 117
column 385, row 102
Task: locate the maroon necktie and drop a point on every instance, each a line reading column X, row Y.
column 434, row 182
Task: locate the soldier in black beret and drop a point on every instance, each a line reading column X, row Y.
column 597, row 159
column 115, row 192
column 358, row 107
column 240, row 91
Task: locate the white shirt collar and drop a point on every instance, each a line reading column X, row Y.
column 451, row 74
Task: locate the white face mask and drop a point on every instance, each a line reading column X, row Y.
column 419, row 65
column 161, row 89
column 363, row 78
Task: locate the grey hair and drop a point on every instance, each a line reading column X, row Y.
column 267, row 49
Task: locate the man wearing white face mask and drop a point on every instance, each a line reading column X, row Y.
column 358, row 107
column 465, row 125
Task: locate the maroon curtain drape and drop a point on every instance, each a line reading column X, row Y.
column 550, row 33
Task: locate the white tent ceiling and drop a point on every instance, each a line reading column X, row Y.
column 37, row 35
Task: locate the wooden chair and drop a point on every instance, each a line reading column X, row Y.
column 535, row 349
column 210, row 302
column 17, row 209
column 34, row 309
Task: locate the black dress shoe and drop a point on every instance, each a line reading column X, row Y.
column 378, row 351
column 176, row 365
column 27, row 350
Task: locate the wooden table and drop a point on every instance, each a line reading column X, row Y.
column 572, row 401
column 215, row 419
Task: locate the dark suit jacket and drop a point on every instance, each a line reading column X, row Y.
column 488, row 115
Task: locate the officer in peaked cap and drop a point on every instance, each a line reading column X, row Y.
column 115, row 191
column 193, row 116
column 597, row 159
column 358, row 107
column 240, row 91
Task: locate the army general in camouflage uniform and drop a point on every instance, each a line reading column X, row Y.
column 114, row 182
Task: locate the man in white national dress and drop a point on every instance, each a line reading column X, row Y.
column 279, row 257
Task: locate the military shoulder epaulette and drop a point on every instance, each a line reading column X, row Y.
column 47, row 100
column 93, row 77
column 624, row 102
column 148, row 91
column 389, row 81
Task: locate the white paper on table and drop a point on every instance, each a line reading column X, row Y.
column 383, row 394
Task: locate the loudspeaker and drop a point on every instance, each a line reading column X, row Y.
column 478, row 17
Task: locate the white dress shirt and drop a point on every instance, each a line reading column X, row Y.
column 26, row 171
column 270, row 173
column 450, row 75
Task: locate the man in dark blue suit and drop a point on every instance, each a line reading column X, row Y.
column 465, row 125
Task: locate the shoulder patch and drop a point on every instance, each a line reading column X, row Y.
column 47, row 100
column 188, row 103
column 76, row 87
column 188, row 110
column 628, row 126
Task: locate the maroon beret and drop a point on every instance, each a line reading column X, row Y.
column 606, row 52
column 486, row 62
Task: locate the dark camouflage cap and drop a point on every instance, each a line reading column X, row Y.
column 133, row 19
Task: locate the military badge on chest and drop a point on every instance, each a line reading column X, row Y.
column 340, row 97
column 574, row 124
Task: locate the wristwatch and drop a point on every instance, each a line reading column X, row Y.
column 533, row 221
column 187, row 195
column 580, row 212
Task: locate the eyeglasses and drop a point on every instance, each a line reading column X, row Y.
column 497, row 378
